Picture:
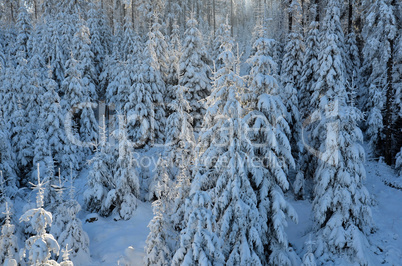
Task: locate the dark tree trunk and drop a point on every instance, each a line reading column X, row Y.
column 350, row 16
column 290, row 16
column 388, row 127
column 317, row 11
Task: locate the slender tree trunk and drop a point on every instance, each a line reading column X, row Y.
column 35, row 7
column 231, row 16
column 388, row 125
column 302, row 15
column 12, row 11
column 350, row 17
column 290, row 17
column 132, row 13
column 388, row 108
column 209, row 12
column 214, row 15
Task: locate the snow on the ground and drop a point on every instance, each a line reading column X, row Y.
column 109, row 239
column 387, row 213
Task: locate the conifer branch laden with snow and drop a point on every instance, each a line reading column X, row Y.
column 41, row 245
column 341, row 201
column 157, row 249
column 8, row 242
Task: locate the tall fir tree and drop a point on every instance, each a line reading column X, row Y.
column 157, row 249
column 24, row 27
column 226, row 179
column 8, row 241
column 83, row 54
column 122, row 199
column 380, row 34
column 195, row 72
column 175, row 51
column 180, row 141
column 100, row 177
column 146, row 108
column 341, row 202
column 72, row 235
column 309, row 77
column 269, row 132
column 291, row 71
column 41, row 244
column 158, row 48
column 8, row 165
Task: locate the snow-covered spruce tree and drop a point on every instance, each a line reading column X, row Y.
column 119, row 88
column 117, row 48
column 161, row 170
column 199, row 244
column 309, row 70
column 24, row 27
column 72, row 88
column 258, row 31
column 41, row 245
column 145, row 106
column 352, row 63
column 180, row 141
column 52, row 48
column 268, row 131
column 77, row 103
column 85, row 58
column 7, row 161
column 37, row 62
column 224, row 174
column 122, row 198
column 109, row 73
column 88, row 125
column 66, row 25
column 175, row 51
column 106, row 33
column 331, row 68
column 61, row 216
column 52, row 117
column 66, row 257
column 291, row 71
column 341, row 202
column 72, row 234
column 308, row 258
column 10, row 94
column 30, row 97
column 179, row 149
column 158, row 48
column 379, row 33
column 309, row 76
column 8, row 241
column 98, row 48
column 157, row 249
column 130, row 42
column 222, row 35
column 42, row 156
column 100, row 178
column 194, row 71
column 179, row 203
column 21, row 141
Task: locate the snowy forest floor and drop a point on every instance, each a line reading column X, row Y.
column 110, row 239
